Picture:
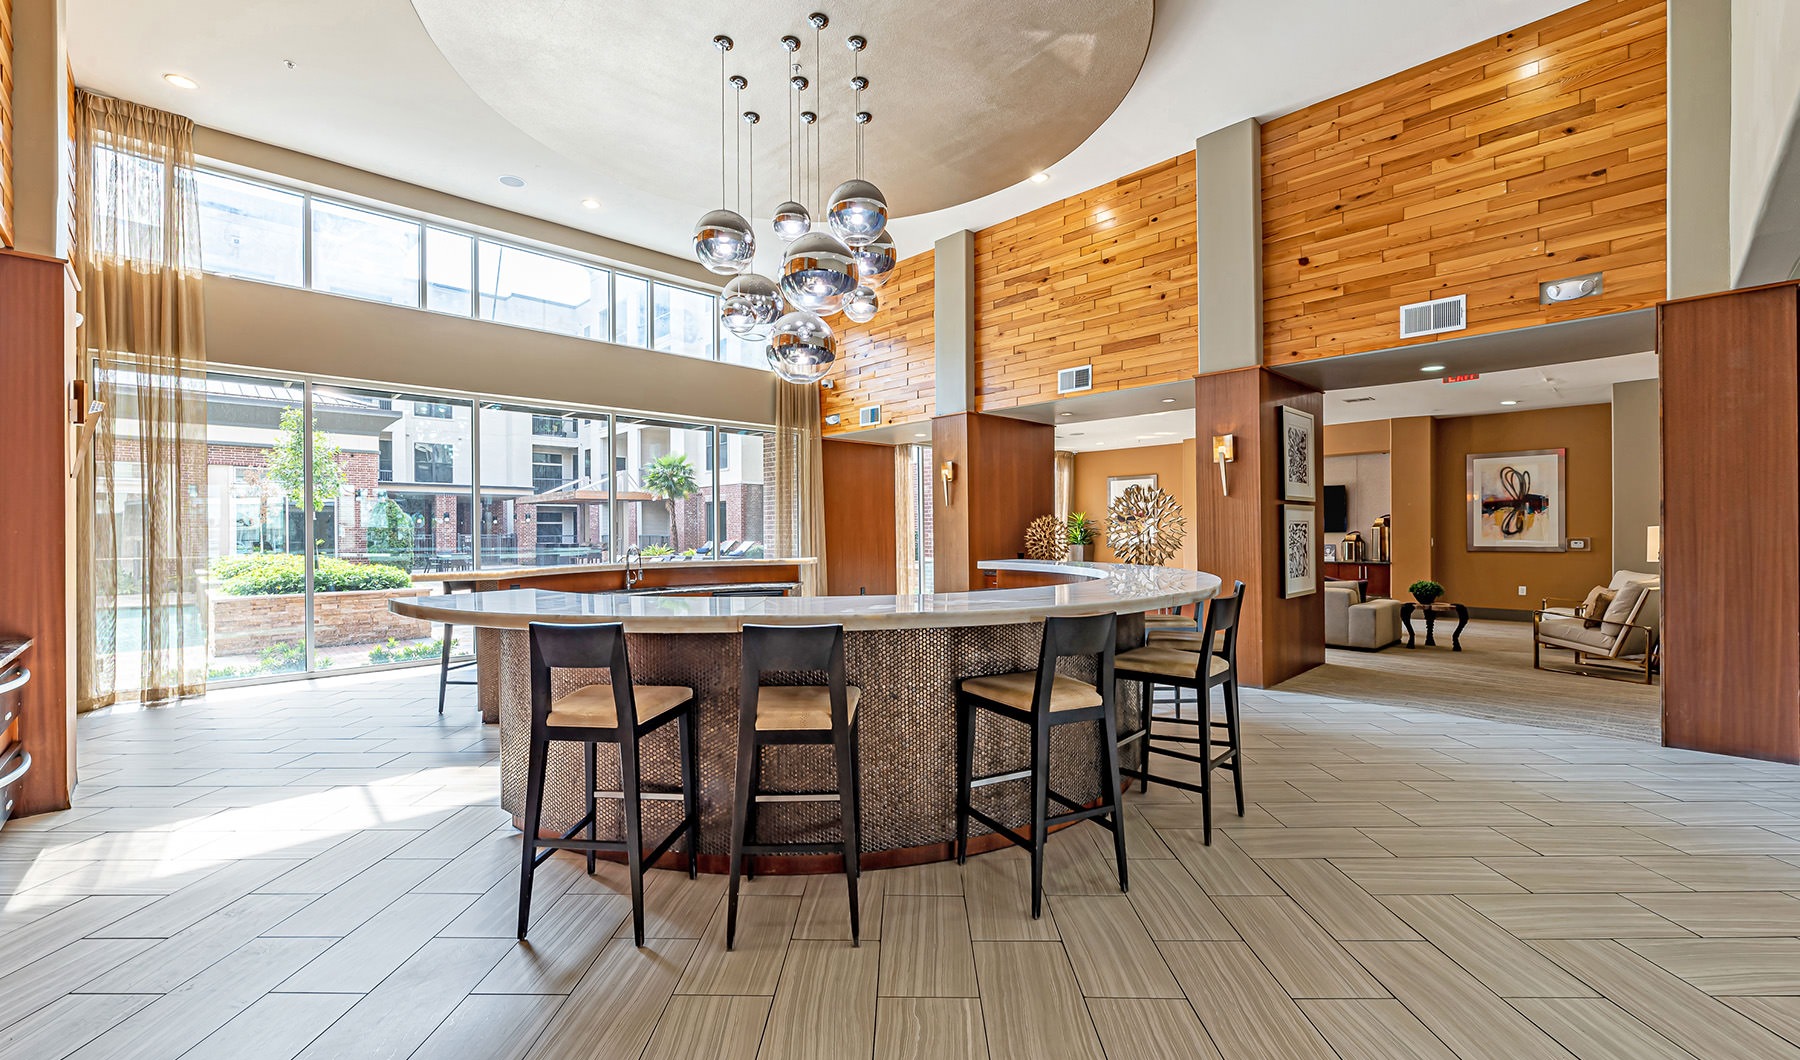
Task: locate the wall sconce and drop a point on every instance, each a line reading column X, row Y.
column 1224, row 448
column 948, row 473
column 1653, row 544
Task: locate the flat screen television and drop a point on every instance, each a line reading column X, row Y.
column 1337, row 509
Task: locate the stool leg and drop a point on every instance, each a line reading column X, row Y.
column 751, row 810
column 1040, row 810
column 592, row 811
column 1205, row 730
column 856, row 787
column 634, row 831
column 444, row 669
column 965, row 771
column 690, row 788
column 1109, row 760
column 1237, row 741
column 847, row 812
column 536, row 762
column 740, row 823
column 1149, row 695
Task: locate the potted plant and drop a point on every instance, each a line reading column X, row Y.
column 1081, row 537
column 1426, row 592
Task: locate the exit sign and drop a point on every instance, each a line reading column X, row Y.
column 1464, row 378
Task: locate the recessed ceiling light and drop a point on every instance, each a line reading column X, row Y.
column 1039, row 178
column 1165, row 434
column 921, row 435
column 1065, row 415
column 512, row 182
column 592, row 204
column 1168, row 401
column 1509, row 403
column 181, row 81
column 1431, row 368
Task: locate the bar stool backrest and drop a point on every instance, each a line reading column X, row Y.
column 1077, row 636
column 1222, row 615
column 594, row 646
column 769, row 649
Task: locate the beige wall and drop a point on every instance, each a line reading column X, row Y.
column 1412, row 488
column 1174, row 468
column 1369, row 436
column 1637, row 472
column 279, row 329
column 1491, row 579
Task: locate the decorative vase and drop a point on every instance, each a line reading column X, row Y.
column 1425, row 598
column 1080, row 553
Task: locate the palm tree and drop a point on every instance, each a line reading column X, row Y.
column 670, row 478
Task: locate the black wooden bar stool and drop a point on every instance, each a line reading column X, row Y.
column 789, row 715
column 1040, row 700
column 1164, row 663
column 621, row 713
column 444, row 664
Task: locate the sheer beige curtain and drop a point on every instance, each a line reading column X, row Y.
column 1065, row 484
column 142, row 619
column 800, row 479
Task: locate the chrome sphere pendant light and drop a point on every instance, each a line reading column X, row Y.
column 875, row 260
column 723, row 241
column 791, row 218
column 862, row 305
column 749, row 306
column 802, row 348
column 858, row 211
column 816, row 272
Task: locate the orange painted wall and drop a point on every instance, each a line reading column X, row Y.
column 1173, row 466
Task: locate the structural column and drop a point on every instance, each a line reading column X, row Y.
column 1003, row 477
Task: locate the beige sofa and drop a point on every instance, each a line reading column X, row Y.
column 1352, row 622
column 1626, row 634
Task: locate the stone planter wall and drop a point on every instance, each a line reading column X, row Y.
column 245, row 625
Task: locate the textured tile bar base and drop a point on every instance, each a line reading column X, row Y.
column 908, row 736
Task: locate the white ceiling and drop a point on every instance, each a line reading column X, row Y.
column 369, row 88
column 1551, row 386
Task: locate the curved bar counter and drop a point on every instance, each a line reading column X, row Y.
column 906, row 653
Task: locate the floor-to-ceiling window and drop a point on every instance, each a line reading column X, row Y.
column 546, row 485
column 664, row 472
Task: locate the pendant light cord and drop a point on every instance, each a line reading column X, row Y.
column 722, row 96
column 818, row 126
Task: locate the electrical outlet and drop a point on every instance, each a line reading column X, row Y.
column 1521, row 590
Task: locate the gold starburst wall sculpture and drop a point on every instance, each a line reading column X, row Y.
column 1145, row 526
column 1046, row 538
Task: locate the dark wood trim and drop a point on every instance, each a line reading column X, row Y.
column 861, row 554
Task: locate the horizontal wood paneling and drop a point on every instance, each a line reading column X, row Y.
column 890, row 361
column 1106, row 278
column 1535, row 156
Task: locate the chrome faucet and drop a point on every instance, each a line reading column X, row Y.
column 633, row 574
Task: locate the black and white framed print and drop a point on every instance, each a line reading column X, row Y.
column 1299, row 547
column 1299, row 463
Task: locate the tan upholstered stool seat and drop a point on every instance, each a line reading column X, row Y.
column 1168, row 621
column 592, row 707
column 789, row 707
column 1016, row 690
column 1157, row 659
column 1185, row 640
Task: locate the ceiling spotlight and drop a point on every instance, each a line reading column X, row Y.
column 921, row 434
column 1431, row 368
column 181, row 81
column 1039, row 178
column 592, row 204
column 511, row 181
column 1509, row 402
column 1065, row 415
column 1168, row 401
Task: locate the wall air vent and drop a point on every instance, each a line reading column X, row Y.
column 1434, row 317
column 1070, row 380
column 868, row 416
column 1357, row 400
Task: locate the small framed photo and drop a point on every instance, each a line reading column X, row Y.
column 1116, row 485
column 1298, row 456
column 1299, row 546
column 1330, row 553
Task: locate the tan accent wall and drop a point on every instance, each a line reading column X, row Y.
column 1345, row 439
column 1491, row 579
column 1106, row 278
column 1412, row 495
column 1175, row 471
column 890, row 360
column 1533, row 156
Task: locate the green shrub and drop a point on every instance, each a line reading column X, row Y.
column 656, row 550
column 289, row 656
column 393, row 651
column 273, row 573
column 1428, row 589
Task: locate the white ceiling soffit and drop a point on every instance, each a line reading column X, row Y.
column 369, row 88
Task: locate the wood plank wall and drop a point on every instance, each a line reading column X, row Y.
column 1535, row 156
column 1107, row 277
column 1731, row 502
column 891, row 360
column 861, row 553
column 6, row 124
column 1005, row 478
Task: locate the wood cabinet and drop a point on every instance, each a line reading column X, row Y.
column 1730, row 366
column 37, row 485
column 1379, row 576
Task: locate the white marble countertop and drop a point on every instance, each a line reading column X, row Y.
column 488, row 574
column 1120, row 588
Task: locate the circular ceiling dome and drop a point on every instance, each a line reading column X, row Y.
column 965, row 103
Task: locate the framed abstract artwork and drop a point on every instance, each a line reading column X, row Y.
column 1298, row 466
column 1517, row 501
column 1116, row 485
column 1299, row 549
